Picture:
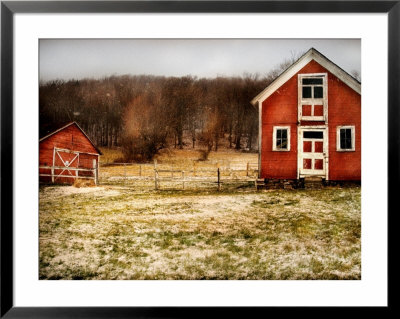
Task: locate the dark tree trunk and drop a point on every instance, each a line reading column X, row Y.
column 230, row 134
column 249, row 142
column 237, row 142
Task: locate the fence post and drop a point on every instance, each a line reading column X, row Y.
column 155, row 174
column 156, row 179
column 247, row 169
column 52, row 167
column 219, row 180
column 52, row 174
column 95, row 171
column 183, row 179
column 140, row 170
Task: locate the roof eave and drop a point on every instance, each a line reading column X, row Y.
column 64, row 127
column 311, row 54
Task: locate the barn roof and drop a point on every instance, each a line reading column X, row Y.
column 50, row 130
column 307, row 57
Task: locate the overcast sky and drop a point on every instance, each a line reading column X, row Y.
column 77, row 59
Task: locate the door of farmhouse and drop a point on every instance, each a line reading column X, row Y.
column 313, row 151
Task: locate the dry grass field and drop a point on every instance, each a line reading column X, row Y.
column 117, row 232
column 184, row 156
column 174, row 164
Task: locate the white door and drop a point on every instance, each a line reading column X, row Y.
column 313, row 150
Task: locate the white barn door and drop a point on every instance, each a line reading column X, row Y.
column 65, row 164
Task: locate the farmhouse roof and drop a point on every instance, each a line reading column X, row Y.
column 50, row 130
column 310, row 55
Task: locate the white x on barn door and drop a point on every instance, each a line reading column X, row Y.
column 64, row 160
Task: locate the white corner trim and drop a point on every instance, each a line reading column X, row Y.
column 311, row 54
column 259, row 137
column 353, row 140
column 275, row 128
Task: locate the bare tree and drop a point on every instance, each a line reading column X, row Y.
column 143, row 113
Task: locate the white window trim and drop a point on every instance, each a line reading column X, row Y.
column 311, row 101
column 274, row 138
column 353, row 140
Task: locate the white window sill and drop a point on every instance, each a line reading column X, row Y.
column 312, row 118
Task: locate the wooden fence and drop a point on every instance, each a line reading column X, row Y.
column 58, row 172
column 162, row 176
column 183, row 178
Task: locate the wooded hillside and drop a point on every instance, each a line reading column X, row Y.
column 144, row 113
column 168, row 111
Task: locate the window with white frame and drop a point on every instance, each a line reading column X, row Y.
column 281, row 138
column 312, row 97
column 312, row 87
column 345, row 138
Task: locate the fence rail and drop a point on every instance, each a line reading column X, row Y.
column 214, row 178
column 162, row 176
column 55, row 175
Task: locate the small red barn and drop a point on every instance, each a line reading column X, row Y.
column 66, row 154
column 310, row 122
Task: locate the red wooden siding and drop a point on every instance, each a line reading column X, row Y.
column 280, row 109
column 70, row 138
column 344, row 109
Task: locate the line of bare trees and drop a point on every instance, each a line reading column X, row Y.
column 143, row 114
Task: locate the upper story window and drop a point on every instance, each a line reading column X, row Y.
column 312, row 97
column 312, row 88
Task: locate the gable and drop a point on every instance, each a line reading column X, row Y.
column 311, row 55
column 282, row 106
column 71, row 128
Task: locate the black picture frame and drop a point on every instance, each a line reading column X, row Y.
column 9, row 8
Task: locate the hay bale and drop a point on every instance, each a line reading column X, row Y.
column 80, row 182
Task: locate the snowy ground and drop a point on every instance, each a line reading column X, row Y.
column 117, row 232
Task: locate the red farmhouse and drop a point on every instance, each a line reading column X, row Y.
column 310, row 123
column 67, row 154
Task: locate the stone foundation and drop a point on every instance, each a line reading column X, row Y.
column 302, row 184
column 282, row 184
column 342, row 183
